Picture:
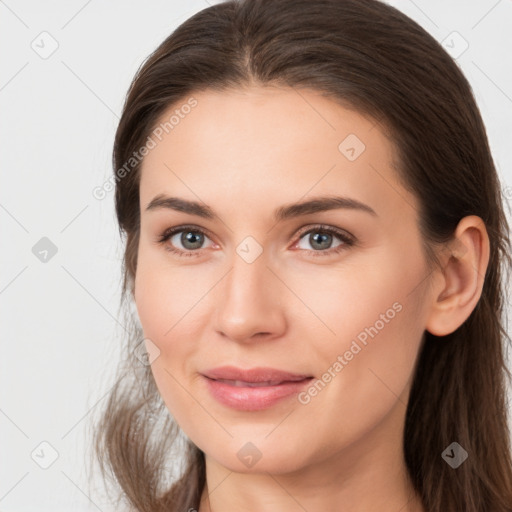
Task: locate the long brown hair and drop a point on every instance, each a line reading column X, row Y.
column 369, row 56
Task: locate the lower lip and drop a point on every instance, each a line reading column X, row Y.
column 253, row 399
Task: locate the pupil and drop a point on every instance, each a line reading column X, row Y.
column 323, row 237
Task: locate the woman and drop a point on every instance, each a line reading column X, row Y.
column 315, row 247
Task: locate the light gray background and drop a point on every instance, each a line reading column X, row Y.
column 58, row 117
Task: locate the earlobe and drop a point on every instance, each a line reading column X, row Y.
column 462, row 277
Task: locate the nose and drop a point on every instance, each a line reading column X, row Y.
column 249, row 304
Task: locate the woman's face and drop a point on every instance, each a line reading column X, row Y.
column 261, row 283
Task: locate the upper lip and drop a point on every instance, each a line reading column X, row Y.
column 258, row 374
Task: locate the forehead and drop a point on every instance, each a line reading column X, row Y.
column 269, row 144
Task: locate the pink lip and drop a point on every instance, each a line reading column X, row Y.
column 221, row 384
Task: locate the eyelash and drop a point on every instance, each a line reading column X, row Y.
column 348, row 241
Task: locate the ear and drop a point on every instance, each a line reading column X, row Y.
column 459, row 283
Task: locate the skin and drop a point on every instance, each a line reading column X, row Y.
column 245, row 153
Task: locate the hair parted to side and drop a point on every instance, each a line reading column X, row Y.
column 368, row 56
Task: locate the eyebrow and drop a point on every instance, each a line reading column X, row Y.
column 289, row 211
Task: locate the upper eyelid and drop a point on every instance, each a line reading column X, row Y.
column 324, row 227
column 178, row 229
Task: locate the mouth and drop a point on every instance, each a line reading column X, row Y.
column 259, row 388
column 258, row 375
column 246, row 384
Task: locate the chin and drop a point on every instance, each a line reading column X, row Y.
column 249, row 459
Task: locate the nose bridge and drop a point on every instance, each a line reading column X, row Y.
column 246, row 277
column 249, row 299
column 244, row 286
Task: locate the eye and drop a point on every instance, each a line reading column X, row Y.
column 191, row 239
column 321, row 238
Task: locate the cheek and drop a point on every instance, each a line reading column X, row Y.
column 372, row 314
column 378, row 320
column 378, row 290
column 162, row 303
column 164, row 294
column 364, row 371
column 162, row 306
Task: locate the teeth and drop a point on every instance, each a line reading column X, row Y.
column 241, row 383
